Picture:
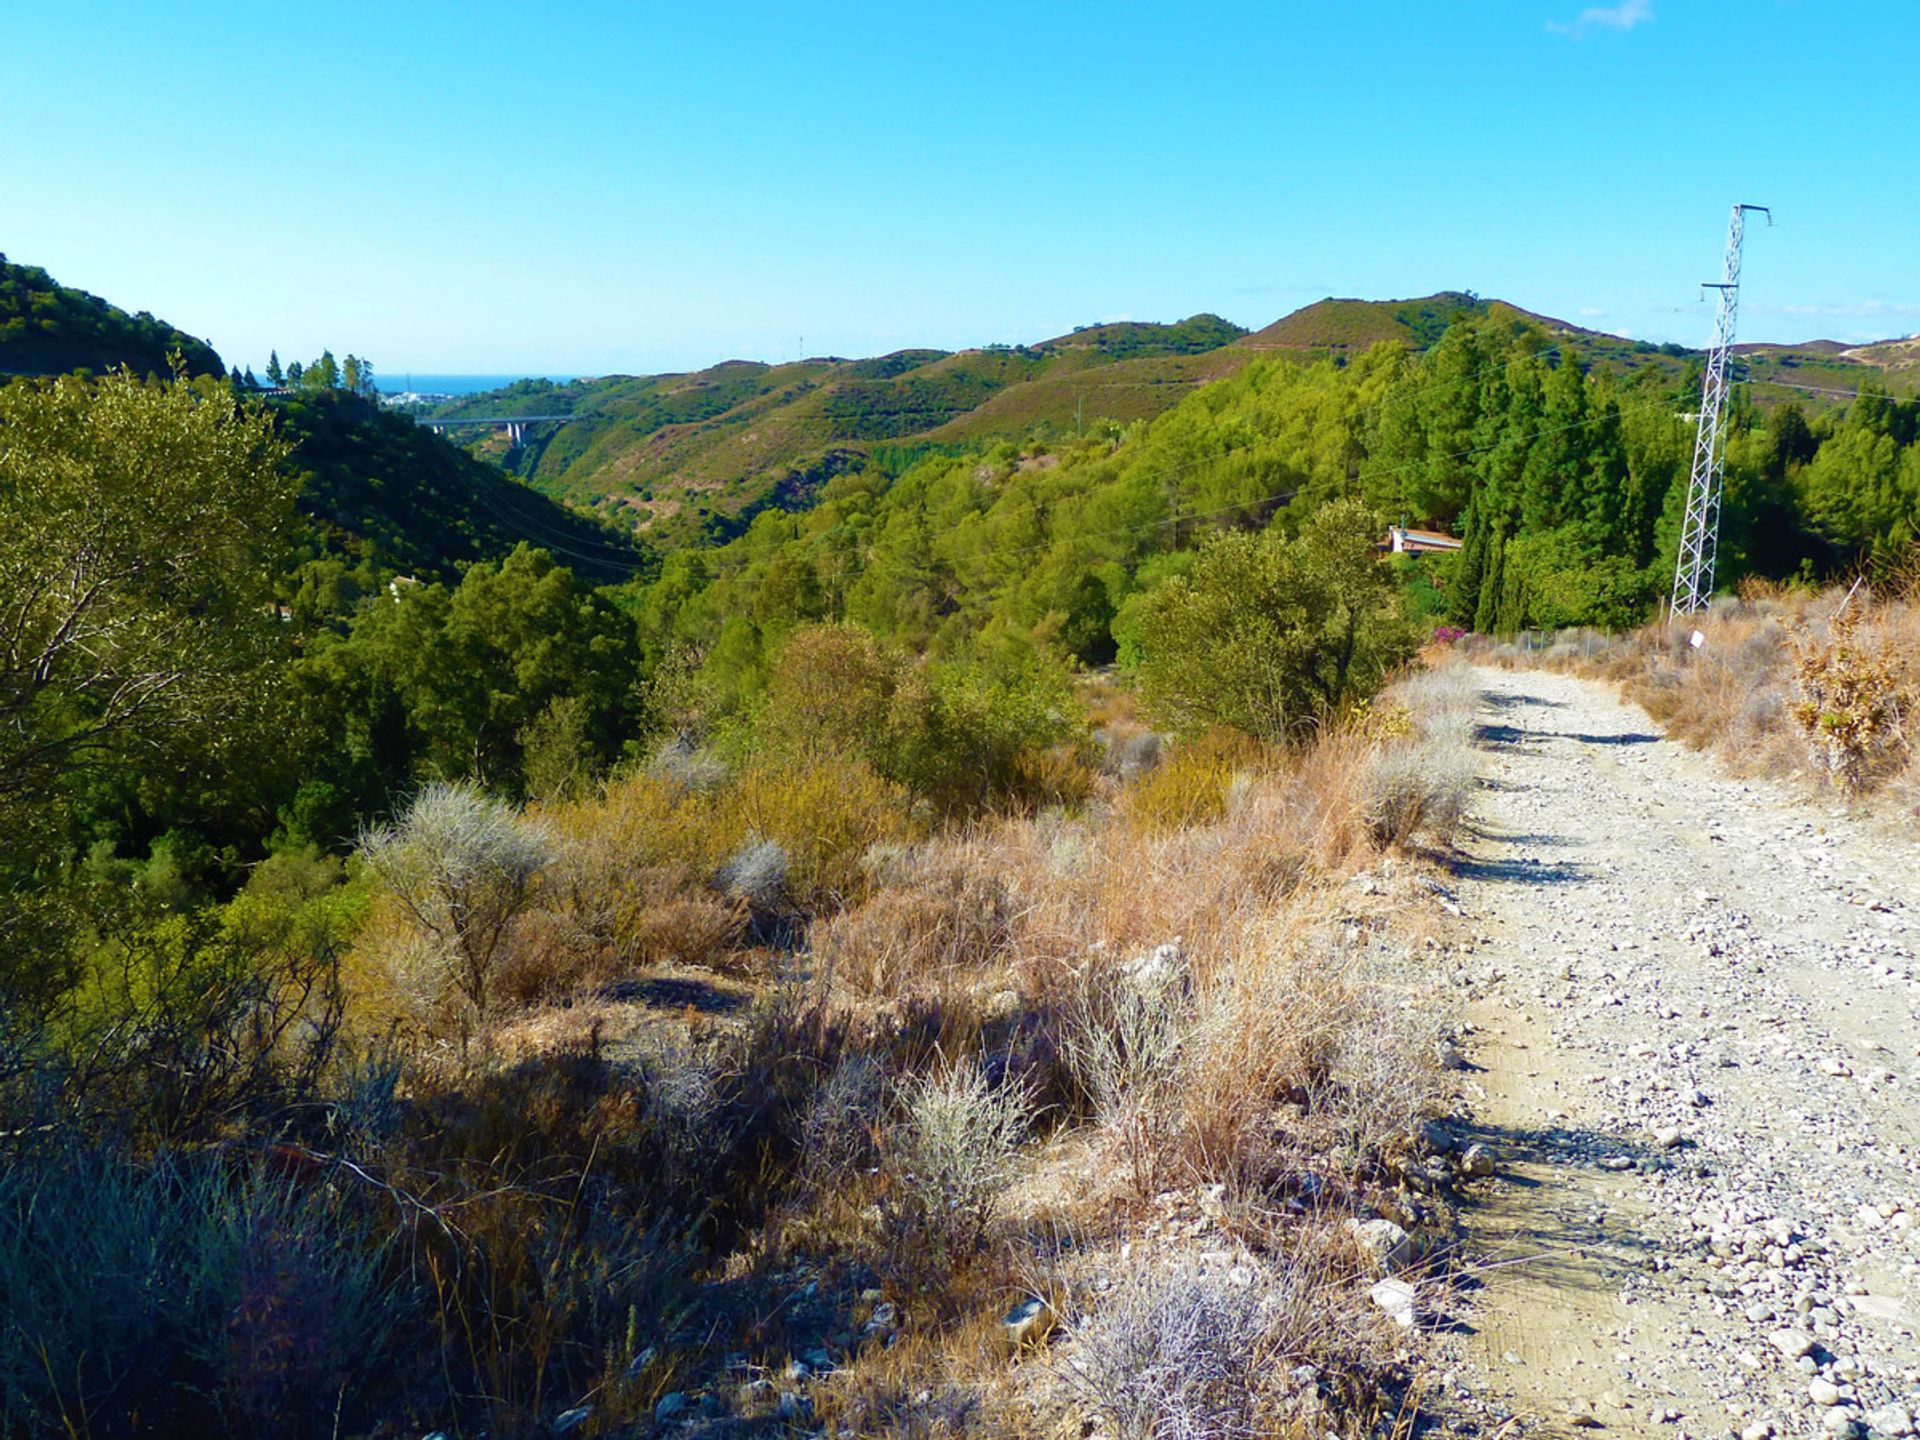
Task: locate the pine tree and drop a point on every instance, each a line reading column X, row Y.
column 276, row 377
column 1469, row 571
column 1486, row 615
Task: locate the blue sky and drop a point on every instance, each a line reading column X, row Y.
column 581, row 187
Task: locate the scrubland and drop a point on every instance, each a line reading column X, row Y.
column 1817, row 686
column 764, row 1099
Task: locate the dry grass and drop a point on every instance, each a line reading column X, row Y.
column 917, row 1062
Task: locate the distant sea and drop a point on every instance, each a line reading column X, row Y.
column 391, row 384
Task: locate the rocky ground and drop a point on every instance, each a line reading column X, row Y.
column 1693, row 1052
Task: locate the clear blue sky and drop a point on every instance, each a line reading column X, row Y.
column 486, row 187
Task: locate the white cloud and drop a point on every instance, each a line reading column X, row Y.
column 1589, row 312
column 1624, row 16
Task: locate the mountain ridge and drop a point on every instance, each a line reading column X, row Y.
column 693, row 455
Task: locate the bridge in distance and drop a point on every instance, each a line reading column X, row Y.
column 514, row 425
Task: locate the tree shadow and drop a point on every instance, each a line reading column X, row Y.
column 675, row 992
column 1496, row 736
column 1495, row 700
column 1524, row 870
column 1568, row 1247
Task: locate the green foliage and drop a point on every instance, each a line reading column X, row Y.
column 48, row 329
column 390, row 496
column 1271, row 637
column 138, row 529
column 441, row 683
column 962, row 736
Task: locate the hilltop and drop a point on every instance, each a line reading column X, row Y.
column 700, row 453
column 376, row 488
column 695, row 456
column 47, row 328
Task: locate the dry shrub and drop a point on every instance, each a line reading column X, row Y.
column 938, row 913
column 841, row 1130
column 1057, row 775
column 825, row 816
column 1192, row 785
column 1413, row 790
column 1125, row 1044
column 462, row 867
column 1736, row 694
column 1173, row 1350
column 946, row 1161
column 1850, row 702
column 640, row 843
column 627, row 885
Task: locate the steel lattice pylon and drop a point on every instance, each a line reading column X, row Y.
column 1700, row 533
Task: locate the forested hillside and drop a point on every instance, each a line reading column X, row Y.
column 692, row 456
column 696, row 457
column 387, row 496
column 47, row 328
column 1565, row 483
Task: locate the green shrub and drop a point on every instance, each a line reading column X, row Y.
column 1272, row 637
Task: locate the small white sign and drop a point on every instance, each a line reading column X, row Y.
column 1696, row 640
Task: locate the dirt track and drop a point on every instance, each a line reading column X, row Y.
column 1694, row 1004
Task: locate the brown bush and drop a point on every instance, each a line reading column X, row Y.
column 825, row 816
column 937, row 914
column 1191, row 785
column 1851, row 699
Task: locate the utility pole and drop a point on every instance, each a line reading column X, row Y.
column 1700, row 533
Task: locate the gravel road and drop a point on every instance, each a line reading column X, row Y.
column 1693, row 1047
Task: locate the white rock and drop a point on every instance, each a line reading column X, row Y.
column 1895, row 1420
column 1395, row 1298
column 1792, row 1343
column 1823, row 1391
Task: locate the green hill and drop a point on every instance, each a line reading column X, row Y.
column 690, row 457
column 47, row 328
column 697, row 454
column 381, row 489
